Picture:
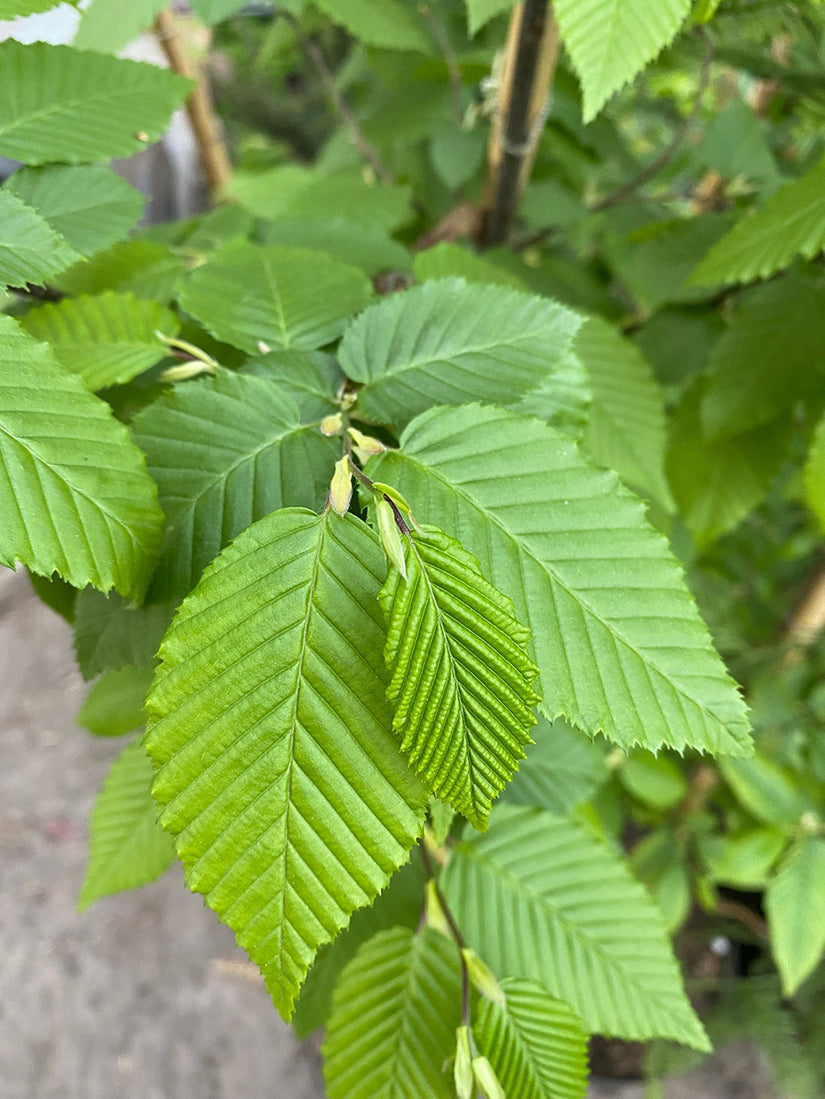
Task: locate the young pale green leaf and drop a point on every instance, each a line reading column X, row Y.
column 292, row 191
column 536, row 1044
column 716, row 482
column 794, row 903
column 815, row 474
column 62, row 104
column 74, row 492
column 766, row 789
column 790, row 224
column 311, row 378
column 743, row 860
column 395, row 1011
column 461, row 677
column 610, row 41
column 400, row 905
column 448, row 342
column 563, row 399
column 111, row 633
column 89, row 206
column 226, row 451
column 654, row 780
column 107, row 338
column 536, row 895
column 618, row 640
column 30, row 249
column 270, row 727
column 480, row 12
column 448, row 260
column 109, row 25
column 658, row 861
column 114, row 705
column 389, row 24
column 771, row 356
column 626, row 424
column 562, row 769
column 128, row 848
column 251, row 295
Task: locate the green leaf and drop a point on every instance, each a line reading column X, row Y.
column 717, row 482
column 388, row 24
column 395, row 1011
column 461, row 676
column 563, row 908
column 67, row 105
column 128, row 847
column 311, row 378
column 654, row 780
column 400, row 905
column 11, row 9
column 815, row 474
column 89, row 206
column 765, row 789
column 610, row 41
column 562, row 769
column 111, row 633
column 214, row 11
column 618, row 641
column 56, row 594
column 292, row 191
column 109, row 25
column 771, row 356
column 743, row 859
column 447, row 260
column 563, row 399
column 370, row 249
column 626, row 429
column 659, row 863
column 106, row 339
column 114, row 705
column 140, row 267
column 457, row 154
column 794, row 903
column 448, row 342
column 248, row 294
column 735, row 145
column 74, row 492
column 536, row 1045
column 790, row 224
column 224, row 452
column 480, row 12
column 290, row 800
column 30, row 250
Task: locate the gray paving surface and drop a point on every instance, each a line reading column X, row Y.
column 143, row 996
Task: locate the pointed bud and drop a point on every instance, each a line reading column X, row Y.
column 488, row 1083
column 365, row 443
column 390, row 536
column 394, row 495
column 263, row 347
column 435, row 913
column 185, row 370
column 482, row 977
column 331, row 425
column 463, row 1066
column 340, row 489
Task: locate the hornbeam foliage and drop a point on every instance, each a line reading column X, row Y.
column 278, row 772
column 461, row 676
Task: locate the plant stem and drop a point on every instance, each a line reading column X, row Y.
column 530, row 62
column 455, row 931
column 365, row 147
column 212, row 154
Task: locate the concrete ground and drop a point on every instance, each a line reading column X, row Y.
column 143, row 996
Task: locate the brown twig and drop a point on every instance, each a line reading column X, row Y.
column 214, row 160
column 734, row 910
column 529, row 65
column 365, row 147
column 621, row 194
column 808, row 619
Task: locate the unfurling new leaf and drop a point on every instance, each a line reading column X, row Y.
column 461, row 677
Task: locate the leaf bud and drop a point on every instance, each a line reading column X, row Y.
column 463, row 1065
column 488, row 1083
column 390, row 536
column 331, row 425
column 365, row 445
column 340, row 489
column 482, row 977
